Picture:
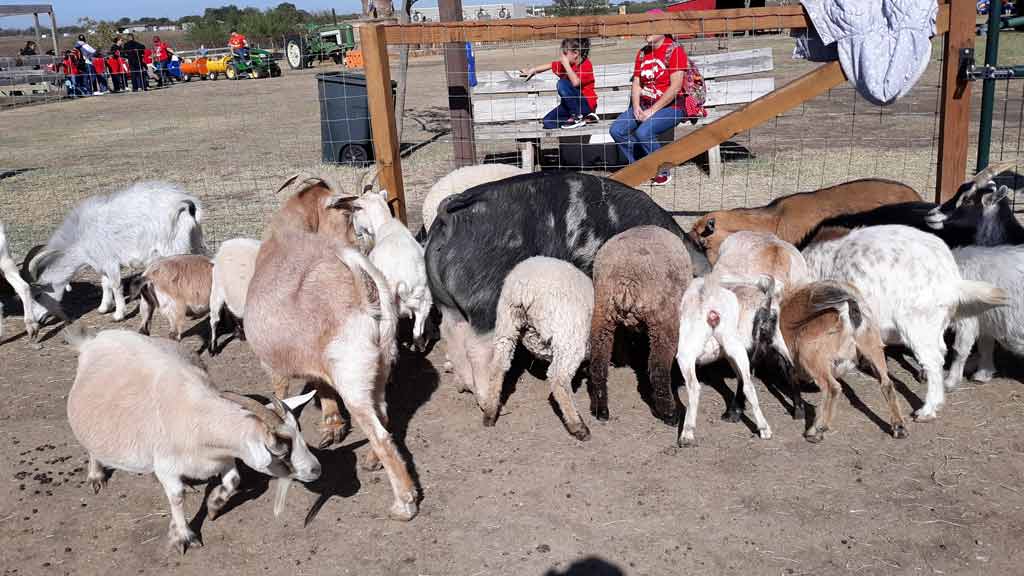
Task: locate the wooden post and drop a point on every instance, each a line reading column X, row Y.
column 35, row 19
column 955, row 109
column 382, row 115
column 460, row 103
column 53, row 33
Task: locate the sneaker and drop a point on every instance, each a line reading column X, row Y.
column 591, row 118
column 574, row 122
column 97, row 93
column 661, row 179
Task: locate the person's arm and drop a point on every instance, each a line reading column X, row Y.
column 634, row 98
column 569, row 72
column 531, row 72
column 675, row 85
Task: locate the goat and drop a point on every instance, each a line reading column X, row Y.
column 9, row 272
column 398, row 256
column 546, row 304
column 960, row 221
column 140, row 406
column 179, row 286
column 911, row 286
column 826, row 327
column 482, row 233
column 233, row 266
column 791, row 217
column 318, row 309
column 127, row 228
column 459, row 181
column 639, row 278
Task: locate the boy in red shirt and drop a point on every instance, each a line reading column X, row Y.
column 100, row 68
column 117, row 67
column 575, row 86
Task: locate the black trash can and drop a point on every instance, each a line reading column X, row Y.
column 345, row 134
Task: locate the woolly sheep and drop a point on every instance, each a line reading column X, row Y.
column 460, row 180
column 546, row 304
column 233, row 267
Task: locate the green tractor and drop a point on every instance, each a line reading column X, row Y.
column 260, row 64
column 319, row 43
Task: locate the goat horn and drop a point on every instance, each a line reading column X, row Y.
column 993, row 170
column 37, row 260
column 268, row 416
column 289, row 181
column 367, row 180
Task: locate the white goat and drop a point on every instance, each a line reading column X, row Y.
column 459, row 181
column 1002, row 266
column 546, row 303
column 912, row 288
column 232, row 270
column 9, row 271
column 139, row 405
column 398, row 256
column 127, row 228
column 719, row 317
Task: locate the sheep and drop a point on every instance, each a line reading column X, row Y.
column 179, row 286
column 791, row 217
column 318, row 309
column 911, row 286
column 721, row 316
column 398, row 256
column 826, row 326
column 958, row 222
column 140, row 406
column 131, row 227
column 233, row 266
column 459, row 181
column 546, row 304
column 482, row 233
column 640, row 276
column 9, row 272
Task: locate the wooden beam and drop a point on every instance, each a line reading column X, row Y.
column 25, row 9
column 53, row 33
column 757, row 112
column 955, row 108
column 695, row 22
column 460, row 99
column 382, row 115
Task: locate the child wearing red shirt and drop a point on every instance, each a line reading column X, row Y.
column 100, row 68
column 117, row 67
column 578, row 105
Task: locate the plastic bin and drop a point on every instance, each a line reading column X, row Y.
column 345, row 135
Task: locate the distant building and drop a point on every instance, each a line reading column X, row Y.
column 501, row 11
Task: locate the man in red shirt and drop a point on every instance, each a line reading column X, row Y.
column 657, row 101
column 238, row 44
column 578, row 105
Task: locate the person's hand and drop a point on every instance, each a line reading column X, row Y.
column 525, row 74
column 565, row 61
column 642, row 115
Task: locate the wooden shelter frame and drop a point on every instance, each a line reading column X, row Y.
column 35, row 10
column 955, row 20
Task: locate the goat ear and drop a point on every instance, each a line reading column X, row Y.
column 997, row 196
column 41, row 261
column 341, row 201
column 296, row 402
column 709, row 228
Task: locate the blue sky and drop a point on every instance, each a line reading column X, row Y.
column 69, row 11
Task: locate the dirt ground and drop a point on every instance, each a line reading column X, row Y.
column 523, row 497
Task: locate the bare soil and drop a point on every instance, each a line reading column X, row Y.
column 523, row 497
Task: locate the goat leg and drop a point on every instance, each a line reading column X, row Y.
column 601, row 341
column 97, row 476
column 333, row 427
column 223, row 492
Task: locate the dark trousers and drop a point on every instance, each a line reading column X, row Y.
column 138, row 78
column 573, row 104
column 118, row 81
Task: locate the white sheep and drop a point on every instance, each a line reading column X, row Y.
column 131, row 227
column 546, row 304
column 139, row 405
column 459, row 181
column 398, row 256
column 1002, row 266
column 911, row 286
column 233, row 266
column 9, row 271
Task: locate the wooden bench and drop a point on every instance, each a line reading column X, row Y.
column 505, row 106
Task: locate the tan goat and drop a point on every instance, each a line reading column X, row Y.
column 792, row 217
column 232, row 271
column 826, row 327
column 178, row 286
column 318, row 309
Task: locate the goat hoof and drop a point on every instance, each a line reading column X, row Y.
column 921, row 416
column 982, row 376
column 899, row 431
column 582, row 433
column 490, row 419
column 687, row 442
column 765, row 433
column 370, row 462
column 185, row 540
column 600, row 412
column 814, row 437
column 731, row 415
column 97, row 484
column 799, row 412
column 404, row 511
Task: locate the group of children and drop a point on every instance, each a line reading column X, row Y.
column 87, row 69
column 666, row 90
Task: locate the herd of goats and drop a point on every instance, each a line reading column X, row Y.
column 817, row 283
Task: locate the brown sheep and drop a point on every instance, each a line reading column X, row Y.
column 826, row 326
column 179, row 286
column 639, row 279
column 792, row 217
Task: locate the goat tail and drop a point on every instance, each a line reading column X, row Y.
column 976, row 297
column 76, row 335
column 136, row 284
column 387, row 323
column 826, row 296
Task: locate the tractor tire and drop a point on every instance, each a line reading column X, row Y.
column 295, row 53
column 231, row 73
column 211, row 75
column 255, row 73
column 355, row 155
column 338, row 57
column 275, row 71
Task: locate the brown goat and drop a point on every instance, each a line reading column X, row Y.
column 179, row 286
column 826, row 327
column 639, row 279
column 792, row 217
column 317, row 309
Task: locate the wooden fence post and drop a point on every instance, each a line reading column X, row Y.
column 382, row 115
column 955, row 109
column 460, row 104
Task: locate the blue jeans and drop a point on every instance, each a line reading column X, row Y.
column 573, row 104
column 628, row 132
column 89, row 78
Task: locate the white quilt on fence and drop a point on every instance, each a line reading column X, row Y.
column 884, row 45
